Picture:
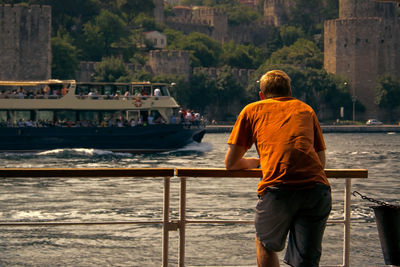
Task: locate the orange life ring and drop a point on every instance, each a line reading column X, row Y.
column 138, row 102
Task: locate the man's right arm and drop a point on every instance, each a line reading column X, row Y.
column 235, row 160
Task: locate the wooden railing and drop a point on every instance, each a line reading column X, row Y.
column 183, row 174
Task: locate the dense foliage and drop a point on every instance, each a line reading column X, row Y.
column 388, row 94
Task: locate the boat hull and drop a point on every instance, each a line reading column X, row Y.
column 139, row 139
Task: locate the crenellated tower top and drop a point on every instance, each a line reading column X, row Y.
column 367, row 8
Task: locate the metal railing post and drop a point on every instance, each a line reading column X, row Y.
column 347, row 219
column 182, row 223
column 167, row 185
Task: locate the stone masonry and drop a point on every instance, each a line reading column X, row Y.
column 362, row 44
column 25, row 42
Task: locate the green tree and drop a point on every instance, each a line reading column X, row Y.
column 205, row 51
column 241, row 56
column 306, row 14
column 290, row 34
column 388, row 94
column 64, row 57
column 145, row 22
column 302, row 53
column 107, row 30
column 239, row 14
column 142, row 76
column 230, row 96
column 111, row 69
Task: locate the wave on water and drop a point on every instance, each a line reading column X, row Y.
column 192, row 148
column 65, row 153
column 81, row 152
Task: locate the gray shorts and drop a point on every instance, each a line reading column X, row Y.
column 303, row 213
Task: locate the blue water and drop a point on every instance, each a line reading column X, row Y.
column 118, row 199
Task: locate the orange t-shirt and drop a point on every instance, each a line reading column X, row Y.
column 288, row 136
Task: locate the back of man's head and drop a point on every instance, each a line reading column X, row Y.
column 275, row 83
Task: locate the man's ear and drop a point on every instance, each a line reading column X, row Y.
column 261, row 95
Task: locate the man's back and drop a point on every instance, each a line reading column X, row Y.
column 287, row 136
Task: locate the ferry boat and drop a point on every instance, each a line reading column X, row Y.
column 121, row 117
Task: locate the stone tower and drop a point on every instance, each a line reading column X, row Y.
column 362, row 44
column 25, row 42
column 277, row 12
column 214, row 17
column 159, row 11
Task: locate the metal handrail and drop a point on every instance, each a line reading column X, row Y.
column 347, row 174
column 183, row 174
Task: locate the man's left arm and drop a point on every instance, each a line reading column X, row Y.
column 319, row 143
column 321, row 156
column 235, row 160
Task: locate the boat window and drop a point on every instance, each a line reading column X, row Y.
column 108, row 90
column 44, row 115
column 65, row 115
column 81, row 89
column 156, row 117
column 146, row 90
column 20, row 115
column 164, row 90
column 3, row 115
column 91, row 116
column 34, row 91
column 137, row 90
column 106, row 115
column 55, row 91
column 132, row 115
column 122, row 89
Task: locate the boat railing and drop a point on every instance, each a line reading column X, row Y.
column 183, row 174
column 31, row 96
column 119, row 97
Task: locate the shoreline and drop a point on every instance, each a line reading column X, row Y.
column 325, row 128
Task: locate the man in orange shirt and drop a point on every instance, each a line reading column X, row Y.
column 294, row 193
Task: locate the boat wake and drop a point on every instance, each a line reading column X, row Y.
column 81, row 152
column 192, row 148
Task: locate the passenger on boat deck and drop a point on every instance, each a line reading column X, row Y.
column 64, row 90
column 46, row 90
column 144, row 92
column 150, row 119
column 20, row 93
column 174, row 119
column 294, row 192
column 103, row 123
column 126, row 95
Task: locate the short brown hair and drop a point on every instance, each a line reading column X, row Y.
column 275, row 83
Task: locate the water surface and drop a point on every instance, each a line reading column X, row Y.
column 117, row 199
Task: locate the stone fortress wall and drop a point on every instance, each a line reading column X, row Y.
column 242, row 75
column 25, row 42
column 170, row 62
column 276, row 12
column 362, row 44
column 166, row 62
column 214, row 23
